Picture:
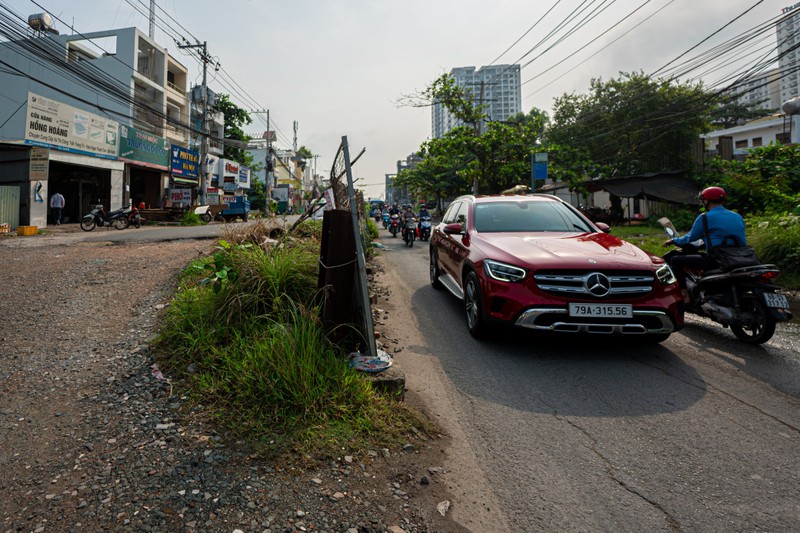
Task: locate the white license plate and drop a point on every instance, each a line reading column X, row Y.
column 776, row 300
column 601, row 310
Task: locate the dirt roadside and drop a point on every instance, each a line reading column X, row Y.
column 92, row 437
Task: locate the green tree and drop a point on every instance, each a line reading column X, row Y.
column 235, row 119
column 729, row 113
column 766, row 182
column 632, row 124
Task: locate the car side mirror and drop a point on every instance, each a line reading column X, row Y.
column 453, row 228
column 605, row 228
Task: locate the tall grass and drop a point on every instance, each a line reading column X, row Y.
column 776, row 240
column 260, row 356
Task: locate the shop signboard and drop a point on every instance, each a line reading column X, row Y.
column 244, row 177
column 228, row 198
column 142, row 148
column 53, row 124
column 184, row 163
column 39, row 164
column 180, row 197
column 212, row 170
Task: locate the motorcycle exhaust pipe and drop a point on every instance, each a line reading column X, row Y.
column 719, row 313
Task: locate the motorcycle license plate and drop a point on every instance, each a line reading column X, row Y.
column 601, row 310
column 776, row 300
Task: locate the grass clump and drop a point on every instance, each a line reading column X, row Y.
column 190, row 218
column 244, row 331
column 776, row 240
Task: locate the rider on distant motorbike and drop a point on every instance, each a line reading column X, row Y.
column 722, row 224
column 394, row 210
column 423, row 211
column 408, row 214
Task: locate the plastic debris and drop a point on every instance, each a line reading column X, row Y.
column 157, row 373
column 368, row 363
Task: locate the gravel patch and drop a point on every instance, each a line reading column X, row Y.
column 94, row 437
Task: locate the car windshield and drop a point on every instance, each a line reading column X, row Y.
column 496, row 217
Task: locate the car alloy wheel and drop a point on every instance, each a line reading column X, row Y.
column 473, row 307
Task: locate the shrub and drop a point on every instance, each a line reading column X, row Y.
column 776, row 240
column 190, row 218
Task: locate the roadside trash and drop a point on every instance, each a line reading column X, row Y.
column 157, row 373
column 443, row 507
column 368, row 363
column 378, row 245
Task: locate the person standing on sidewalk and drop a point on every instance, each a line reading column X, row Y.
column 57, row 204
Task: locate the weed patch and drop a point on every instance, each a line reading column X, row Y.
column 244, row 332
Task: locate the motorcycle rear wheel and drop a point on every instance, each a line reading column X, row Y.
column 759, row 331
column 88, row 223
column 120, row 223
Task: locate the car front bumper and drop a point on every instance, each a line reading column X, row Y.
column 643, row 322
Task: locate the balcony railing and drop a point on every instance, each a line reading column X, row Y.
column 176, row 89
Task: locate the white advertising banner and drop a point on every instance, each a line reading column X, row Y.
column 53, row 124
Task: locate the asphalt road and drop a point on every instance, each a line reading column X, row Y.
column 700, row 433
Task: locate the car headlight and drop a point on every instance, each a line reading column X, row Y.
column 665, row 275
column 503, row 271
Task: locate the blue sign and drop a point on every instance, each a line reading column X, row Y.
column 538, row 168
column 184, row 162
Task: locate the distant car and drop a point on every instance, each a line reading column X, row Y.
column 536, row 262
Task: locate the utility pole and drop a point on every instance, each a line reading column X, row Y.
column 267, row 156
column 203, row 126
column 478, row 124
column 152, row 33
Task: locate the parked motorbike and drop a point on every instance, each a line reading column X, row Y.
column 394, row 224
column 98, row 217
column 410, row 231
column 745, row 299
column 424, row 228
column 204, row 212
column 386, row 220
column 134, row 218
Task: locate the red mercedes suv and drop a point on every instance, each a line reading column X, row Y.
column 536, row 262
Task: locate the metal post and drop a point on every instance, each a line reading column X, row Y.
column 361, row 286
column 204, row 139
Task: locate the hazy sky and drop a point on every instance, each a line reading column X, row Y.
column 339, row 67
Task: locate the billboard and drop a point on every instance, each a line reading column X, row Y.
column 53, row 124
column 143, row 148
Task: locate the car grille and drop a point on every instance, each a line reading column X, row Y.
column 595, row 284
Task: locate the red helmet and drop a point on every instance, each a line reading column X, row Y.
column 713, row 194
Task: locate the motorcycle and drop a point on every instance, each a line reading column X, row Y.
column 410, row 231
column 424, row 228
column 98, row 217
column 204, row 212
column 394, row 224
column 385, row 220
column 134, row 218
column 745, row 299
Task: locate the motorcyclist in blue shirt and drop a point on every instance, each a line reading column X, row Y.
column 722, row 224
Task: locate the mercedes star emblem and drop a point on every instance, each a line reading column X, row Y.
column 598, row 284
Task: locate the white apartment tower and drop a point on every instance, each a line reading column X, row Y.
column 502, row 94
column 788, row 29
column 762, row 92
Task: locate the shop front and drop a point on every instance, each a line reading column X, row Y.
column 70, row 151
column 185, row 172
column 147, row 159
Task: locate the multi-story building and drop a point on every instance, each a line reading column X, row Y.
column 502, row 94
column 397, row 195
column 94, row 122
column 788, row 30
column 761, row 92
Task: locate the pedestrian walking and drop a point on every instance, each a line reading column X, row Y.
column 57, row 204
